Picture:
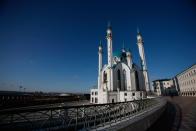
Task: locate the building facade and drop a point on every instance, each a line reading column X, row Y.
column 185, row 81
column 164, row 87
column 120, row 79
column 183, row 84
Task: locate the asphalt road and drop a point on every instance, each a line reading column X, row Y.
column 180, row 115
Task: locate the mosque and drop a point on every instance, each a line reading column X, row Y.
column 120, row 79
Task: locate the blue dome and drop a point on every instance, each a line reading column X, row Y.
column 118, row 54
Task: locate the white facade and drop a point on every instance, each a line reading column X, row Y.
column 120, row 79
column 163, row 86
column 183, row 84
column 186, row 81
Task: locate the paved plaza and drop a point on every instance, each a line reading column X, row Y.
column 180, row 115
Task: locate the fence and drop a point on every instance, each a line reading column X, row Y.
column 72, row 117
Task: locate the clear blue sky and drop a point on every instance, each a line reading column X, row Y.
column 52, row 45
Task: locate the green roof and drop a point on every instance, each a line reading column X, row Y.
column 118, row 54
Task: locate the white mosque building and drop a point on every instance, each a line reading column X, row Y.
column 120, row 79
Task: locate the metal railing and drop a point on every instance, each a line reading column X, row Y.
column 72, row 117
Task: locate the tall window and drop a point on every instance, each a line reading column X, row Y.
column 96, row 100
column 125, row 80
column 136, row 81
column 104, row 77
column 92, row 99
column 119, row 79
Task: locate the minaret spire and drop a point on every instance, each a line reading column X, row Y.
column 110, row 56
column 100, row 43
column 100, row 53
column 138, row 30
column 143, row 60
column 129, row 58
column 109, row 44
column 109, row 25
column 123, row 47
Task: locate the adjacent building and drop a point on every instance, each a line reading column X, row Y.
column 185, row 81
column 164, row 87
column 120, row 79
column 183, row 84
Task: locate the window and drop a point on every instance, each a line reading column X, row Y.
column 124, row 80
column 119, row 79
column 137, row 81
column 133, row 94
column 96, row 100
column 140, row 94
column 92, row 99
column 104, row 77
column 95, row 92
column 112, row 100
column 125, row 94
column 92, row 93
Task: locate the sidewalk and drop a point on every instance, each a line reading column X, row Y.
column 180, row 115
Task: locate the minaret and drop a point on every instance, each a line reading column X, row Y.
column 110, row 57
column 123, row 47
column 109, row 44
column 100, row 52
column 140, row 43
column 129, row 59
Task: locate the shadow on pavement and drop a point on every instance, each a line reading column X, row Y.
column 170, row 120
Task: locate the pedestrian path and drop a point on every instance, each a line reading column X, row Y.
column 180, row 115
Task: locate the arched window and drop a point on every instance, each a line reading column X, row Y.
column 104, row 77
column 96, row 100
column 125, row 80
column 92, row 100
column 119, row 79
column 137, row 81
